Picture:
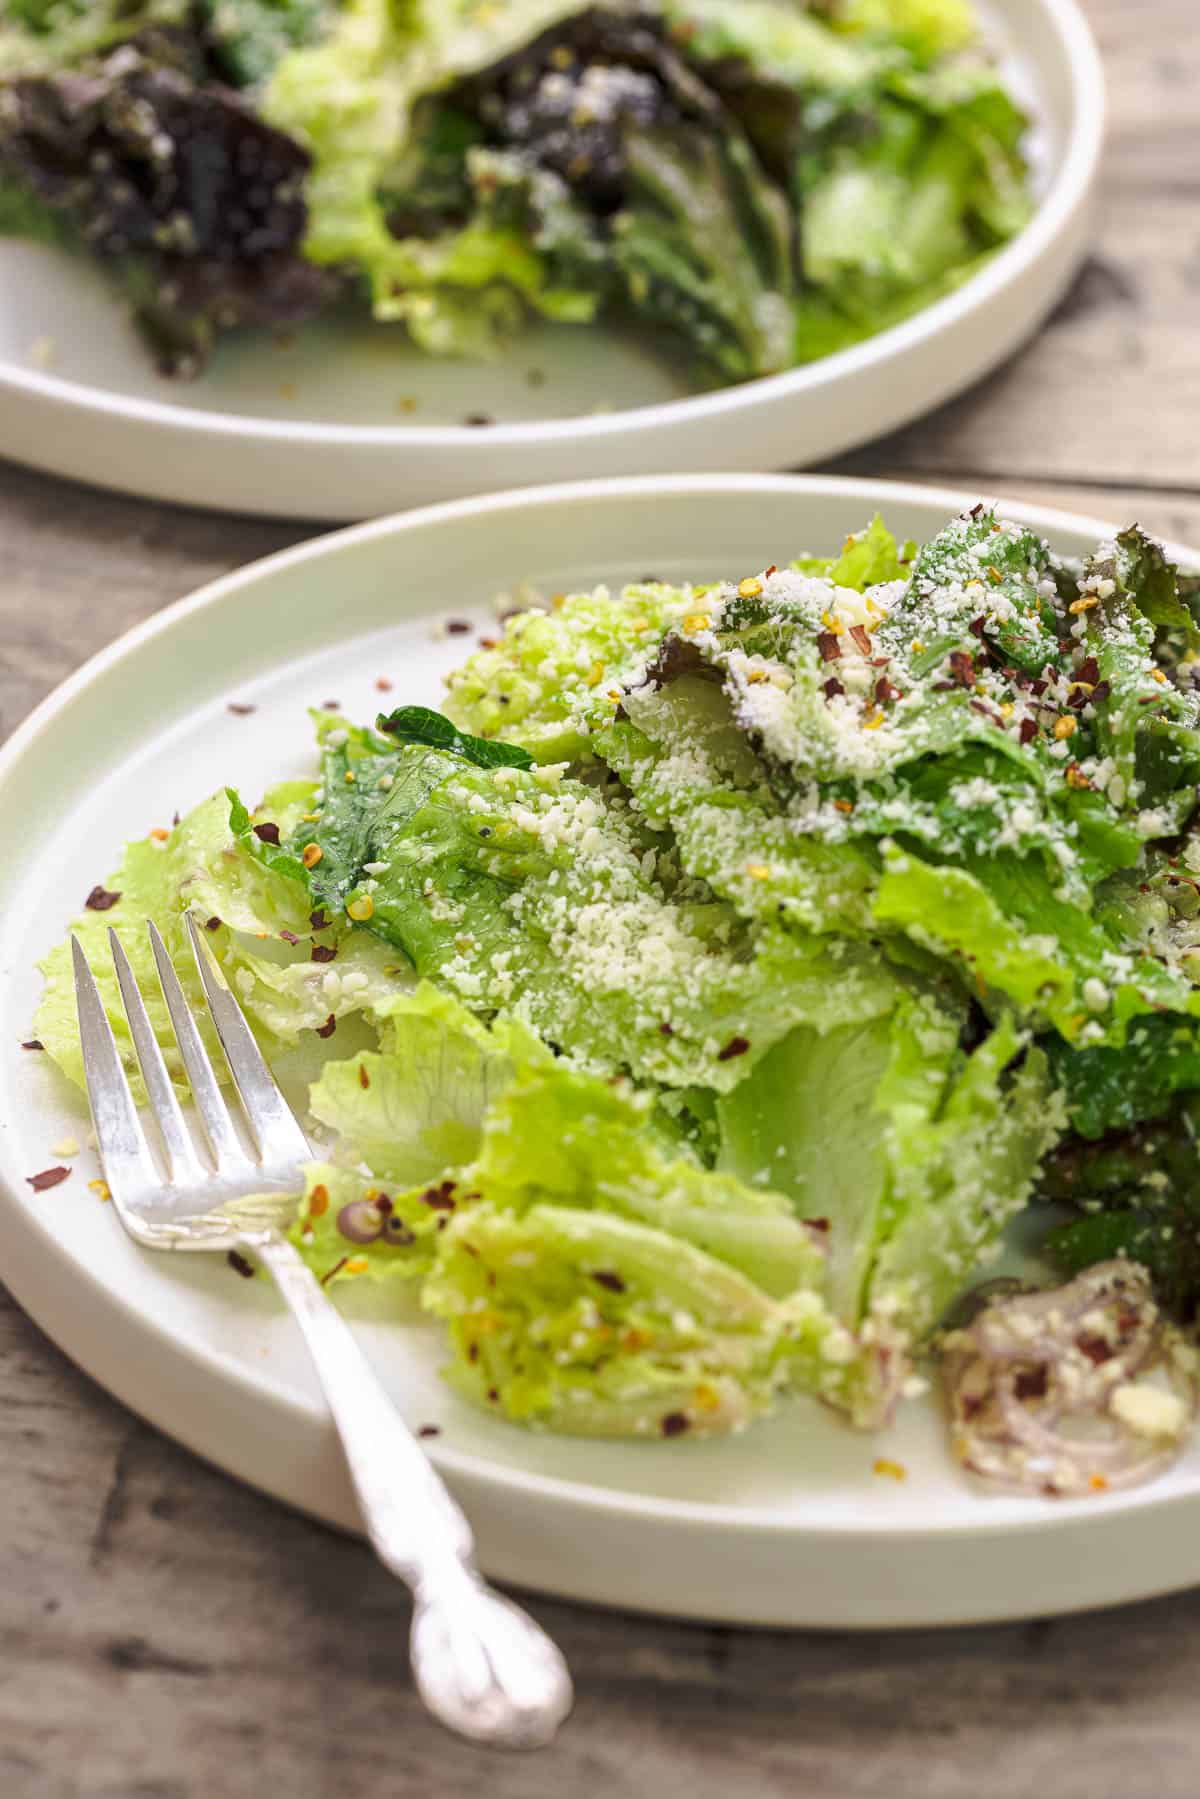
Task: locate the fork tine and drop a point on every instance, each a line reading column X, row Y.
column 218, row 1127
column 271, row 1118
column 182, row 1160
column 128, row 1165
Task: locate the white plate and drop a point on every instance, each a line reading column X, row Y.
column 787, row 1524
column 317, row 430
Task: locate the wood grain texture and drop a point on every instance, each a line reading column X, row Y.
column 166, row 1634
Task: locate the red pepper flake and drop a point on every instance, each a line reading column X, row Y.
column 666, row 1028
column 1028, row 730
column 829, row 647
column 101, row 900
column 772, row 570
column 331, row 705
column 382, row 684
column 473, row 1352
column 213, row 923
column 1089, row 671
column 885, row 691
column 493, row 1395
column 993, row 718
column 488, row 643
column 737, row 1046
column 328, row 1028
column 289, row 936
column 240, row 709
column 33, row 1043
column 336, row 1269
column 674, row 1424
column 1100, row 692
column 174, row 820
column 321, row 954
column 240, row 1265
column 318, row 920
column 1095, row 1349
column 268, row 833
column 1038, row 688
column 429, row 1430
column 861, row 638
column 364, row 1079
column 440, row 1198
column 817, row 1224
column 976, row 626
column 457, row 627
column 479, row 420
column 49, row 1177
column 832, row 688
column 962, row 668
column 1030, row 1383
column 609, row 1279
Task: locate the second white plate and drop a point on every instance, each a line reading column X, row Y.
column 348, row 421
column 790, row 1523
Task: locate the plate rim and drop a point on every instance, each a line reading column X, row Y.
column 1066, row 194
column 579, row 1497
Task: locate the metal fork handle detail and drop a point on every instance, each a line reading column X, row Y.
column 481, row 1664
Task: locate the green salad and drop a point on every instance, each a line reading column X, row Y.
column 704, row 991
column 752, row 183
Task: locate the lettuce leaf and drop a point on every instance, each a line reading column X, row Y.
column 259, row 930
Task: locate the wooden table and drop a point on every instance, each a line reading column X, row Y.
column 166, row 1634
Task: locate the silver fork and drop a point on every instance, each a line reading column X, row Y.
column 481, row 1664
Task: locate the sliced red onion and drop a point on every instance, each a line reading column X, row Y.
column 1028, row 1365
column 360, row 1222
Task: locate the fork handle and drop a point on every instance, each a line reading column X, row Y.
column 482, row 1665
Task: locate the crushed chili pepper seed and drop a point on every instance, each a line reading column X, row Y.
column 159, row 834
column 440, row 1198
column 846, row 806
column 101, row 1189
column 382, row 684
column 318, row 1200
column 49, row 1177
column 311, row 855
column 239, row 708
column 893, row 1470
column 429, row 1430
column 364, row 1079
column 101, row 899
column 458, row 627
